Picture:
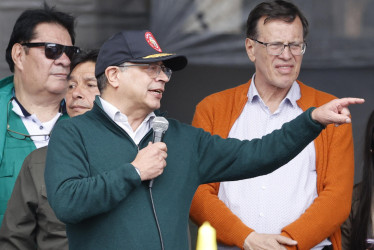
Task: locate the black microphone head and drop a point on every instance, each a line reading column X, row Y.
column 160, row 124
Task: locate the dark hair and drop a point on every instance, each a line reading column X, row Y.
column 24, row 28
column 82, row 57
column 102, row 82
column 274, row 10
column 361, row 220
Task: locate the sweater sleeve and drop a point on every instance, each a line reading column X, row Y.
column 18, row 230
column 73, row 192
column 206, row 206
column 335, row 183
column 231, row 159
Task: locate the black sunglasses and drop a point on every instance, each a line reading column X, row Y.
column 54, row 50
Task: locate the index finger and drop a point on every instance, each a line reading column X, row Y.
column 161, row 145
column 351, row 100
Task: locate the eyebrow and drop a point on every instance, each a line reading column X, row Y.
column 90, row 78
column 84, row 78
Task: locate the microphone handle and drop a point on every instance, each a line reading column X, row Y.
column 157, row 137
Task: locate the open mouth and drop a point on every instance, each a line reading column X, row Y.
column 157, row 92
column 285, row 68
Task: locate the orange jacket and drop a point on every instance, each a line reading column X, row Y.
column 334, row 164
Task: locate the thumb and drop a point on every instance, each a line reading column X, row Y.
column 341, row 118
column 286, row 241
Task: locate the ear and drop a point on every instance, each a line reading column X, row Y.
column 18, row 55
column 112, row 74
column 249, row 47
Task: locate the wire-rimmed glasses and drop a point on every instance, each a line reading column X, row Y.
column 276, row 49
column 153, row 69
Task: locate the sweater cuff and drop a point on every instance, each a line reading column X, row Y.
column 289, row 236
column 309, row 112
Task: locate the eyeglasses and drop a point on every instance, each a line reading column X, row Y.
column 21, row 136
column 54, row 50
column 276, row 49
column 153, row 70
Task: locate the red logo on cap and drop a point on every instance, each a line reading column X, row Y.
column 152, row 41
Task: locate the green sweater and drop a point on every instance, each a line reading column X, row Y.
column 94, row 189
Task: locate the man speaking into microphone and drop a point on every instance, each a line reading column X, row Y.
column 99, row 165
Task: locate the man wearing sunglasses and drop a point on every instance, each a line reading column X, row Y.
column 29, row 220
column 309, row 197
column 108, row 182
column 31, row 100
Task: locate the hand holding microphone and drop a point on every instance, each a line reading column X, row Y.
column 151, row 160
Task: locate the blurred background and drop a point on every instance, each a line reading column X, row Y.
column 339, row 58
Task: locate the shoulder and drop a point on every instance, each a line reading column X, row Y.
column 226, row 95
column 33, row 167
column 313, row 97
column 6, row 84
column 182, row 129
column 38, row 153
column 72, row 121
column 174, row 124
column 36, row 157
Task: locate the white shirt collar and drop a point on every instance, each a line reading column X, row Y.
column 292, row 96
column 115, row 114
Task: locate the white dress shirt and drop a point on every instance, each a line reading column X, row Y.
column 270, row 202
column 122, row 121
column 34, row 126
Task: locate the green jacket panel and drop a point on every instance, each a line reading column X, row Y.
column 12, row 151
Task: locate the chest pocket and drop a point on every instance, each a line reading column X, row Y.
column 6, row 170
column 15, row 151
column 14, row 154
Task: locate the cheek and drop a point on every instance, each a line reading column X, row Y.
column 41, row 64
column 265, row 62
column 91, row 96
column 298, row 66
column 68, row 96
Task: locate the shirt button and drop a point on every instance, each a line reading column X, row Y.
column 263, row 187
column 262, row 215
column 41, row 127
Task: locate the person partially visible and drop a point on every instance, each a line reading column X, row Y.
column 108, row 181
column 29, row 221
column 358, row 229
column 31, row 100
column 309, row 197
column 82, row 88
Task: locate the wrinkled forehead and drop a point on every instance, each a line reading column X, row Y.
column 83, row 70
column 279, row 27
column 51, row 32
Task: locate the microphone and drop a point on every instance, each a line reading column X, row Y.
column 159, row 126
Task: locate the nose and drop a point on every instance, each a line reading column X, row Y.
column 286, row 54
column 78, row 92
column 63, row 60
column 163, row 77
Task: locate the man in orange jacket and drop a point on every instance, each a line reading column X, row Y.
column 308, row 198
